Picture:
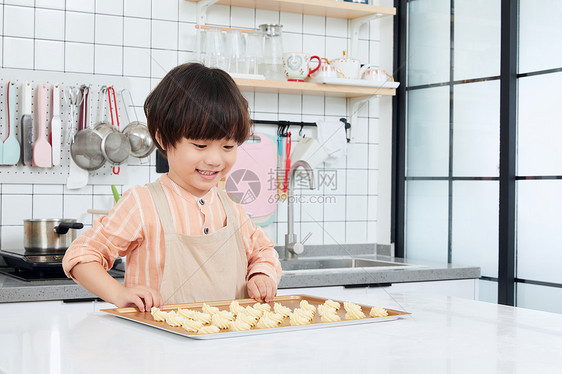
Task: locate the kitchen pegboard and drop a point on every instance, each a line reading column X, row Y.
column 58, row 174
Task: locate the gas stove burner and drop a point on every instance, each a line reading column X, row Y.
column 40, row 267
column 44, row 258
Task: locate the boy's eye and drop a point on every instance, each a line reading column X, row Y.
column 199, row 145
column 228, row 146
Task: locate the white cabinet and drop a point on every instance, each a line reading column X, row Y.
column 463, row 288
column 38, row 308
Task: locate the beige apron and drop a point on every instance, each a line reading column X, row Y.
column 201, row 268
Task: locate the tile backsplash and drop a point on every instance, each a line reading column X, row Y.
column 140, row 41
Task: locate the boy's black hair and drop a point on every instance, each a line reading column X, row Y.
column 196, row 102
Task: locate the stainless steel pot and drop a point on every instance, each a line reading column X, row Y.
column 49, row 236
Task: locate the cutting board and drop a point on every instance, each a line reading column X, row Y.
column 252, row 181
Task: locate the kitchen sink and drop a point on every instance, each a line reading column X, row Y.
column 337, row 263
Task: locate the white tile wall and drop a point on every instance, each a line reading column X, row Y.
column 18, row 21
column 51, row 4
column 109, row 7
column 47, row 206
column 79, row 58
column 49, row 55
column 109, row 29
column 80, row 27
column 144, row 39
column 164, row 34
column 137, row 32
column 165, row 9
column 18, row 53
column 108, row 60
column 49, row 24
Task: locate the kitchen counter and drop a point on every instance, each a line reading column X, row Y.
column 442, row 335
column 14, row 290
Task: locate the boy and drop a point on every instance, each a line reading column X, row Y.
column 184, row 239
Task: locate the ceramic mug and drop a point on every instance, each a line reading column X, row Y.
column 377, row 75
column 326, row 71
column 295, row 66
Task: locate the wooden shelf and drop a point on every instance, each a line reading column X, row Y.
column 327, row 8
column 315, row 89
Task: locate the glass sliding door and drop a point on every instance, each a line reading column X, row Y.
column 452, row 134
column 452, row 142
column 539, row 157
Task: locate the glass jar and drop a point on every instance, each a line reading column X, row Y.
column 272, row 65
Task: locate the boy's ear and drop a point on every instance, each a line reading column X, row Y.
column 159, row 140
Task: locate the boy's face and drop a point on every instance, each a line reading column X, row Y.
column 198, row 165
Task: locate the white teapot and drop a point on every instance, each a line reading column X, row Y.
column 349, row 67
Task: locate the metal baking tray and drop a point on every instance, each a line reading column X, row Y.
column 291, row 301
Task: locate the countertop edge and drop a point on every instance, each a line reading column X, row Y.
column 290, row 279
column 361, row 276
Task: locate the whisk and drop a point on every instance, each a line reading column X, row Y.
column 72, row 97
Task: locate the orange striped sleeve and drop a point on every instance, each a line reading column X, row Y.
column 260, row 251
column 123, row 233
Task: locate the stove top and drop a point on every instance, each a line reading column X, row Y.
column 42, row 267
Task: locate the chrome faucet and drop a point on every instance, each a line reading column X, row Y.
column 292, row 247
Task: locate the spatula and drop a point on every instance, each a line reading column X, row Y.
column 55, row 125
column 26, row 129
column 41, row 147
column 11, row 149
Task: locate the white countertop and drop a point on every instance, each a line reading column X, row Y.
column 15, row 290
column 443, row 335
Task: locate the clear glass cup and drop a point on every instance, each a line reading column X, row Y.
column 254, row 50
column 214, row 49
column 236, row 52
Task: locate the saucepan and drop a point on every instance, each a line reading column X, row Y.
column 49, row 236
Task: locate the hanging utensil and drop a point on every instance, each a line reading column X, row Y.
column 287, row 166
column 41, row 148
column 86, row 148
column 11, row 148
column 115, row 193
column 137, row 132
column 55, row 125
column 280, row 167
column 115, row 146
column 26, row 129
column 72, row 97
column 78, row 177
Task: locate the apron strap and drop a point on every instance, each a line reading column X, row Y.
column 162, row 207
column 231, row 219
column 225, row 200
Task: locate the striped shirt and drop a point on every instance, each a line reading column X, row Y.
column 133, row 229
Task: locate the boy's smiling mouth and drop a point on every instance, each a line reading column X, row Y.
column 207, row 173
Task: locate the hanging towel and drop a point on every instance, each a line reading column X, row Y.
column 333, row 138
column 309, row 149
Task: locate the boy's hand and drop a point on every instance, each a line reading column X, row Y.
column 142, row 297
column 262, row 288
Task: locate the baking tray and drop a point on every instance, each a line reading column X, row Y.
column 291, row 301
